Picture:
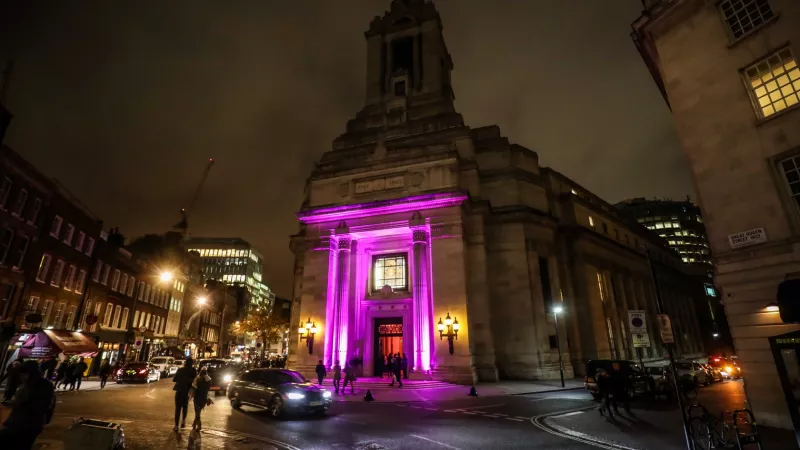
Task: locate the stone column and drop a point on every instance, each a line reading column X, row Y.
column 341, row 304
column 422, row 300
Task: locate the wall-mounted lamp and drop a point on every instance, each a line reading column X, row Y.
column 307, row 333
column 451, row 326
column 773, row 307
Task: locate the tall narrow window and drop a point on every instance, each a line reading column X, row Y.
column 135, row 322
column 117, row 315
column 98, row 269
column 131, row 285
column 69, row 282
column 21, row 250
column 106, row 271
column 55, row 228
column 46, row 309
column 109, row 312
column 44, row 266
column 97, row 308
column 69, row 323
column 68, row 233
column 34, row 212
column 58, row 271
column 5, row 190
column 390, row 270
column 59, row 315
column 81, row 239
column 89, row 247
column 5, row 244
column 115, row 281
column 86, row 312
column 123, row 283
column 544, row 278
column 19, row 205
column 80, row 282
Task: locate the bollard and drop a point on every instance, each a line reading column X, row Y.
column 368, row 396
column 473, row 392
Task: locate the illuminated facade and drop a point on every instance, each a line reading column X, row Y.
column 234, row 261
column 414, row 216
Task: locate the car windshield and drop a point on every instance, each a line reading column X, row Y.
column 136, row 365
column 291, row 377
column 212, row 363
column 158, row 360
column 683, row 366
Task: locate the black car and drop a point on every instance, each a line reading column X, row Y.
column 221, row 372
column 280, row 391
column 138, row 371
column 639, row 382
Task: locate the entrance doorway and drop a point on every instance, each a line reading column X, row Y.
column 388, row 334
column 786, row 352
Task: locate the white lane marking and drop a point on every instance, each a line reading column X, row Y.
column 574, row 413
column 493, row 416
column 501, row 415
column 539, row 422
column 469, row 412
column 416, row 407
column 451, row 410
column 431, row 409
column 481, row 407
column 523, row 418
column 351, row 420
column 435, row 442
column 514, row 419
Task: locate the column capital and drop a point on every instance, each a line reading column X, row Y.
column 419, row 235
column 344, row 243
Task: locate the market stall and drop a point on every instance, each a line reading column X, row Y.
column 54, row 342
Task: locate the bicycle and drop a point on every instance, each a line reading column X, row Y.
column 708, row 432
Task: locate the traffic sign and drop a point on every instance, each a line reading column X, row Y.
column 665, row 328
column 640, row 340
column 636, row 321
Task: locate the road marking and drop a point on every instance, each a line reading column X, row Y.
column 431, row 409
column 468, row 412
column 451, row 410
column 481, row 407
column 416, row 407
column 574, row 413
column 435, row 442
column 514, row 419
column 493, row 416
column 351, row 420
column 501, row 415
column 523, row 418
column 539, row 422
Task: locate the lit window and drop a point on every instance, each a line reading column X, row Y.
column 57, row 272
column 676, row 225
column 391, row 271
column 744, row 16
column 591, row 221
column 573, row 192
column 671, row 242
column 70, row 231
column 81, row 239
column 685, row 259
column 659, row 225
column 55, row 229
column 44, row 265
column 774, row 82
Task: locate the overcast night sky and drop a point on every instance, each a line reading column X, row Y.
column 125, row 102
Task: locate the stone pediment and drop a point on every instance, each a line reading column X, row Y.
column 403, row 14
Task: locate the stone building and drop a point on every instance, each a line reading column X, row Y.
column 730, row 75
column 413, row 217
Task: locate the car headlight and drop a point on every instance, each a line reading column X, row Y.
column 326, row 394
column 294, row 396
column 227, row 378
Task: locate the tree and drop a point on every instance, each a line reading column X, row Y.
column 264, row 326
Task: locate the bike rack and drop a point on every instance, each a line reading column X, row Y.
column 743, row 439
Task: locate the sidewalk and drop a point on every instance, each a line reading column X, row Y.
column 444, row 392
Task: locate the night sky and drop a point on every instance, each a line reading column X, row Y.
column 125, row 102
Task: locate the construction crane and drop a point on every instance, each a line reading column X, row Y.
column 183, row 225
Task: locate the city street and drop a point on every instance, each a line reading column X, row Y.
column 145, row 412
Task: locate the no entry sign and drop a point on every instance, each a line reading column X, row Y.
column 636, row 321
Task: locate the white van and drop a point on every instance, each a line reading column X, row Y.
column 165, row 365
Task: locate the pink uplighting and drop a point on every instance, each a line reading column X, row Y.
column 415, row 203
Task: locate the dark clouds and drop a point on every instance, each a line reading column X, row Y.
column 124, row 102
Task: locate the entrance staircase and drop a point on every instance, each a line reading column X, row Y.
column 381, row 384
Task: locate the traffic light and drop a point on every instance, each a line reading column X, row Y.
column 789, row 301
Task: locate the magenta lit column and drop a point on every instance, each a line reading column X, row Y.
column 422, row 341
column 341, row 303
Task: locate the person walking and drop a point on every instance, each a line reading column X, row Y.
column 349, row 376
column 183, row 384
column 619, row 388
column 321, row 372
column 396, row 363
column 603, row 380
column 31, row 409
column 387, row 366
column 337, row 376
column 200, row 388
column 77, row 375
column 48, row 366
column 61, row 373
column 404, row 366
column 14, row 378
column 104, row 372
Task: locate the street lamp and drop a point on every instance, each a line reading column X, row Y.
column 307, row 333
column 452, row 328
column 556, row 311
column 165, row 276
column 201, row 300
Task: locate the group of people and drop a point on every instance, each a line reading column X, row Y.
column 191, row 384
column 612, row 387
column 396, row 368
column 32, row 401
column 68, row 373
column 349, row 376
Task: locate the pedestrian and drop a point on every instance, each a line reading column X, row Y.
column 77, row 374
column 200, row 388
column 321, row 372
column 603, row 380
column 337, row 376
column 619, row 388
column 387, row 366
column 31, row 409
column 396, row 363
column 349, row 376
column 104, row 372
column 69, row 376
column 183, row 384
column 61, row 373
column 14, row 378
column 404, row 366
column 48, row 366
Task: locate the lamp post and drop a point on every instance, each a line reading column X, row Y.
column 556, row 311
column 452, row 327
column 307, row 333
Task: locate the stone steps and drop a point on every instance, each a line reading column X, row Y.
column 383, row 384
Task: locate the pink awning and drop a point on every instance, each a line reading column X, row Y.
column 52, row 342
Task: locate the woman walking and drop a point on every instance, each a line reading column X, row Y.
column 200, row 389
column 349, row 376
column 337, row 376
column 103, row 373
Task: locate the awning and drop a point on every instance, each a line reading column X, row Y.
column 52, row 342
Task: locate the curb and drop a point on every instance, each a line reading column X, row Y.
column 548, row 391
column 595, row 441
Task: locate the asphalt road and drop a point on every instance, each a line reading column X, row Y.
column 146, row 411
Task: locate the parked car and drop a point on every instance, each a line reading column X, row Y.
column 138, row 371
column 280, row 391
column 639, row 382
column 165, row 365
column 714, row 374
column 728, row 368
column 692, row 371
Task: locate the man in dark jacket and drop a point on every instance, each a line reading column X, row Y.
column 13, row 380
column 404, row 366
column 77, row 374
column 395, row 364
column 31, row 409
column 48, row 367
column 183, row 384
column 619, row 388
column 320, row 370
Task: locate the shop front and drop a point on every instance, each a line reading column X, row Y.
column 57, row 343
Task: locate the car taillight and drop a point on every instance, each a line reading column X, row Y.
column 143, row 371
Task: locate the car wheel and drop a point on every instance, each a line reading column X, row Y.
column 276, row 407
column 235, row 402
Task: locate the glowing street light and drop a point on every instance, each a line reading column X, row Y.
column 773, row 307
column 558, row 309
column 452, row 326
column 307, row 333
column 165, row 276
column 201, row 300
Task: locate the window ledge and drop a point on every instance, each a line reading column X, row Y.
column 744, row 37
column 788, row 110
